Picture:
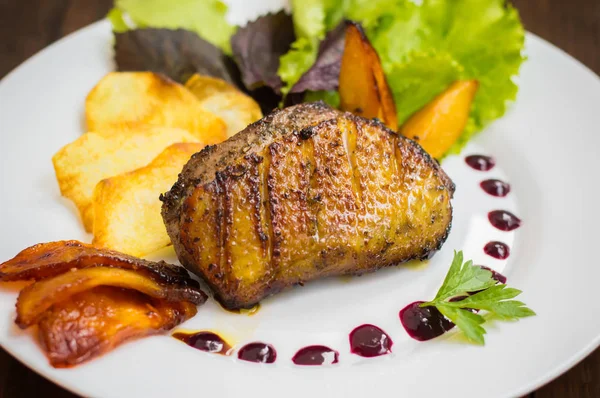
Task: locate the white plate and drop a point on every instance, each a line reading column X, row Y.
column 545, row 147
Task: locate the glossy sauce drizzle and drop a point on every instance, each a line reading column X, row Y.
column 480, row 162
column 205, row 341
column 495, row 187
column 504, row 220
column 370, row 341
column 258, row 352
column 315, row 355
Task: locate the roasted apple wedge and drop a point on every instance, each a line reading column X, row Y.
column 96, row 321
column 440, row 123
column 35, row 299
column 363, row 88
column 50, row 259
column 87, row 301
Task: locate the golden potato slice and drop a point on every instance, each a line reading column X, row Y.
column 224, row 100
column 150, row 98
column 127, row 209
column 80, row 165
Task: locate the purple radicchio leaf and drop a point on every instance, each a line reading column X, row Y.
column 177, row 54
column 325, row 72
column 258, row 46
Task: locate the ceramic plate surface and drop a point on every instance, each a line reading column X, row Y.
column 545, row 147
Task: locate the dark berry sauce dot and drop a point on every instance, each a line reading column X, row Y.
column 315, row 355
column 504, row 220
column 497, row 250
column 424, row 323
column 480, row 162
column 370, row 341
column 495, row 187
column 495, row 275
column 258, row 352
column 205, row 341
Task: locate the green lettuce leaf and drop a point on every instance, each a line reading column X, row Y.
column 424, row 46
column 205, row 17
column 312, row 20
column 330, row 97
column 297, row 61
column 115, row 16
column 420, row 78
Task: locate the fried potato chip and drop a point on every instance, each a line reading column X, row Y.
column 127, row 209
column 224, row 100
column 97, row 320
column 80, row 165
column 149, row 98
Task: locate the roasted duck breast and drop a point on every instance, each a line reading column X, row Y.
column 304, row 193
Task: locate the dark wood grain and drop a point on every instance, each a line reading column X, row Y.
column 574, row 26
column 30, row 25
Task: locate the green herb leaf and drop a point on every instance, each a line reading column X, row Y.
column 464, row 278
column 467, row 321
column 491, row 300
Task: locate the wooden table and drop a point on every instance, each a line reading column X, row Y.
column 30, row 25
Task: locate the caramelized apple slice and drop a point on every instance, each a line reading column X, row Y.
column 45, row 260
column 439, row 124
column 98, row 320
column 363, row 88
column 35, row 299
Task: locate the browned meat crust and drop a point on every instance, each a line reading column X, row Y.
column 304, row 193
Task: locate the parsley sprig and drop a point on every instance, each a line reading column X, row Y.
column 482, row 292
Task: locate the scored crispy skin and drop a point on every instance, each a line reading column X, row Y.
column 46, row 260
column 317, row 193
column 98, row 320
column 35, row 299
column 203, row 166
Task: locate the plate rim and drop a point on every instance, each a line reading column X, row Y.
column 543, row 379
